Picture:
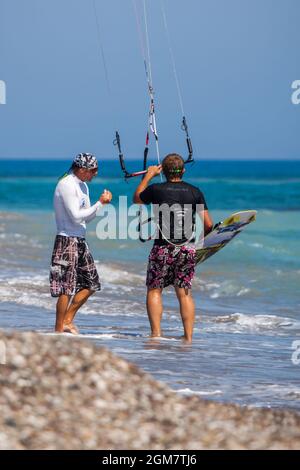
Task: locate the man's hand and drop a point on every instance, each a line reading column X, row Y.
column 105, row 197
column 153, row 171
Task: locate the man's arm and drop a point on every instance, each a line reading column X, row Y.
column 207, row 221
column 151, row 173
column 105, row 198
column 78, row 215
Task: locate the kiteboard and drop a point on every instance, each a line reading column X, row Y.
column 223, row 233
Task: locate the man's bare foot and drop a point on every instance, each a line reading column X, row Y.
column 186, row 340
column 71, row 328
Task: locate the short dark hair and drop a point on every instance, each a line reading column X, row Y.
column 173, row 165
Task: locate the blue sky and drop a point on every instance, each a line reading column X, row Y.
column 236, row 62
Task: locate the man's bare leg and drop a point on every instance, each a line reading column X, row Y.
column 78, row 300
column 154, row 310
column 61, row 309
column 187, row 311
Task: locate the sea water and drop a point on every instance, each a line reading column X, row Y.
column 247, row 296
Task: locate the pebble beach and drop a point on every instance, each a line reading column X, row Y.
column 62, row 394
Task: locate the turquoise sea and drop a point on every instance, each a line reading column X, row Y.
column 247, row 296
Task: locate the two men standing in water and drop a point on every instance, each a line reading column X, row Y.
column 73, row 275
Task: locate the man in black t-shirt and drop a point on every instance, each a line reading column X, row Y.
column 172, row 258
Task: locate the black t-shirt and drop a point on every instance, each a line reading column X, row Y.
column 175, row 206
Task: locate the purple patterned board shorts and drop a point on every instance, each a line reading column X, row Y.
column 72, row 267
column 171, row 265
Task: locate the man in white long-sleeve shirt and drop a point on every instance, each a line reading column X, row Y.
column 73, row 272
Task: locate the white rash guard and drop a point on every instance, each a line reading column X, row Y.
column 72, row 207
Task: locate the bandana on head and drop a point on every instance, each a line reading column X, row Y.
column 86, row 160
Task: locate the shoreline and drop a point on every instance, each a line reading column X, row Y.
column 54, row 396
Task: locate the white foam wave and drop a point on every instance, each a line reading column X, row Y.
column 288, row 391
column 30, row 280
column 256, row 322
column 189, row 392
column 111, row 310
column 118, row 296
column 228, row 288
column 205, row 286
column 29, row 290
column 90, row 335
column 256, row 245
column 117, row 279
column 19, row 239
column 115, row 274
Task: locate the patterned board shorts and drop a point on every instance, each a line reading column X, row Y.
column 171, row 265
column 72, row 267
